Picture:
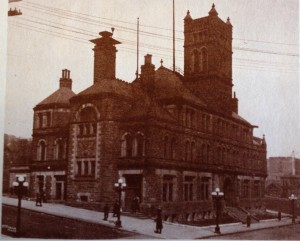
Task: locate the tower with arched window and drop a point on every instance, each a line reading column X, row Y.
column 208, row 59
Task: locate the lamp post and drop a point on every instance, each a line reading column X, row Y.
column 120, row 186
column 293, row 198
column 217, row 196
column 20, row 187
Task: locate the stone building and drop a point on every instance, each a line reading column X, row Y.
column 283, row 176
column 173, row 138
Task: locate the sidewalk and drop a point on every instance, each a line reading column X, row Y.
column 146, row 226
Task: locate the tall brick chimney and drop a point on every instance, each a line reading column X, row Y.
column 104, row 57
column 65, row 80
column 148, row 71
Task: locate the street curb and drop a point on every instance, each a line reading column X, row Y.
column 243, row 231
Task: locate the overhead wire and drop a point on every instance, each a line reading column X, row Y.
column 70, row 37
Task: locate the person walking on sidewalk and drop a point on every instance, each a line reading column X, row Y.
column 248, row 220
column 159, row 225
column 106, row 211
column 279, row 215
column 38, row 201
column 116, row 209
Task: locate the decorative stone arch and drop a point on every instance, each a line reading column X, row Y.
column 42, row 150
column 138, row 144
column 84, row 106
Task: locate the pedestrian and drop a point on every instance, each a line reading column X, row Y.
column 248, row 220
column 137, row 204
column 116, row 209
column 133, row 206
column 106, row 211
column 38, row 201
column 279, row 215
column 159, row 224
column 43, row 196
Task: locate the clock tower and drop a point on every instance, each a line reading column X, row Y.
column 208, row 59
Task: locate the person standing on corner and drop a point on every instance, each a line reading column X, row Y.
column 106, row 211
column 248, row 220
column 159, row 225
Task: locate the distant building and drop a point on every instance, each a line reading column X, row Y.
column 283, row 176
column 174, row 138
column 16, row 159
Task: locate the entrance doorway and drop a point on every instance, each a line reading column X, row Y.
column 59, row 190
column 133, row 190
column 229, row 194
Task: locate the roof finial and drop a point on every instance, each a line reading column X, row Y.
column 228, row 21
column 188, row 16
column 161, row 62
column 213, row 11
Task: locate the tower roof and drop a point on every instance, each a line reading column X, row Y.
column 188, row 16
column 106, row 39
column 60, row 97
column 213, row 11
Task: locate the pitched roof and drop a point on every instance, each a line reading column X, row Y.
column 238, row 117
column 112, row 86
column 168, row 85
column 59, row 97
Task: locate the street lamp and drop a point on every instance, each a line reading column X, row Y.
column 20, row 187
column 293, row 198
column 120, row 186
column 217, row 196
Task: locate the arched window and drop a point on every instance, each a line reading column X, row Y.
column 42, row 151
column 207, row 153
column 166, row 142
column 203, row 153
column 126, row 146
column 59, row 149
column 196, row 61
column 193, row 151
column 172, row 149
column 138, row 145
column 203, row 60
column 187, row 150
column 88, row 114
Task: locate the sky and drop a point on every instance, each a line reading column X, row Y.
column 52, row 35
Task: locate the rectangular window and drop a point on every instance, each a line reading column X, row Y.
column 245, row 189
column 93, row 168
column 168, row 186
column 204, row 188
column 188, row 188
column 79, row 171
column 86, row 168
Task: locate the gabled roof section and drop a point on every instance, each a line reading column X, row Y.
column 146, row 107
column 168, row 85
column 60, row 97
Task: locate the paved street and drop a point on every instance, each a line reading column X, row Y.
column 146, row 226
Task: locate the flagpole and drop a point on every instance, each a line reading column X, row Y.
column 137, row 49
column 173, row 36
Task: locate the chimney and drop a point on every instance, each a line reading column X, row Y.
column 148, row 70
column 65, row 80
column 104, row 56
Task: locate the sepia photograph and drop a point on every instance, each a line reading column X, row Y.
column 161, row 119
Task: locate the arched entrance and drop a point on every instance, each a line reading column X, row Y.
column 229, row 193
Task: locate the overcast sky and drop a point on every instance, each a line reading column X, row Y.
column 53, row 35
